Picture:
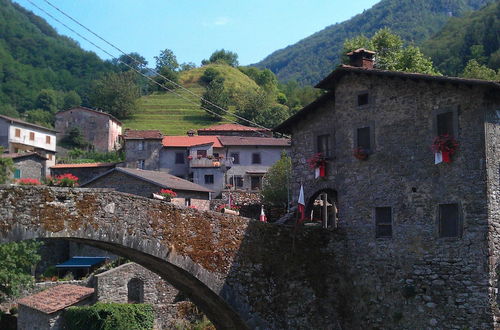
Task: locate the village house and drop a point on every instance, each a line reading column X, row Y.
column 27, row 165
column 43, row 310
column 84, row 171
column 99, row 128
column 18, row 136
column 409, row 170
column 142, row 149
column 146, row 183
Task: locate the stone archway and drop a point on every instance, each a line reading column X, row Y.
column 322, row 207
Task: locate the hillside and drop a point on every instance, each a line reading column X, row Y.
column 312, row 58
column 33, row 56
column 174, row 115
column 474, row 36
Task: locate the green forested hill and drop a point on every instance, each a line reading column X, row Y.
column 474, row 36
column 414, row 20
column 33, row 56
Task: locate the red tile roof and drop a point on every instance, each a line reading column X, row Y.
column 253, row 141
column 231, row 127
column 190, row 141
column 56, row 298
column 133, row 134
column 83, row 165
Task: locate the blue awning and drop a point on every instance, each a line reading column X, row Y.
column 82, row 262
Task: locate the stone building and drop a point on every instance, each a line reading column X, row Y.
column 27, row 165
column 18, row 136
column 142, row 149
column 43, row 310
column 84, row 171
column 423, row 243
column 145, row 183
column 99, row 128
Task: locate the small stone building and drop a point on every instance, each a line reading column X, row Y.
column 145, row 183
column 43, row 310
column 142, row 149
column 27, row 165
column 99, row 128
column 84, row 172
column 422, row 238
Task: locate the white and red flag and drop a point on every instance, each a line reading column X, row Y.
column 263, row 217
column 301, row 205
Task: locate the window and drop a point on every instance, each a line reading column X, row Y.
column 140, row 146
column 256, row 158
column 141, row 164
column 49, row 156
column 323, row 145
column 187, row 201
column 209, row 178
column 179, row 158
column 363, row 138
column 18, row 132
column 236, row 181
column 32, row 136
column 363, row 99
column 236, row 157
column 216, row 155
column 201, row 153
column 47, row 139
column 17, row 173
column 449, row 221
column 383, row 222
column 444, row 123
column 256, row 182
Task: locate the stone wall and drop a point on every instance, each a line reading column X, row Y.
column 415, row 279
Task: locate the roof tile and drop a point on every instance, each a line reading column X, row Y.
column 56, row 298
column 253, row 141
column 83, row 165
column 190, row 141
column 133, row 134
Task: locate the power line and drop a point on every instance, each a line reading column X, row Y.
column 151, row 70
column 134, row 69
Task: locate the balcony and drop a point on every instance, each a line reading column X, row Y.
column 204, row 162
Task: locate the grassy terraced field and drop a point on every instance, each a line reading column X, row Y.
column 173, row 115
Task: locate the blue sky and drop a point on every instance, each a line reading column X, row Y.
column 193, row 29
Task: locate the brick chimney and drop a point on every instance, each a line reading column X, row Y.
column 361, row 58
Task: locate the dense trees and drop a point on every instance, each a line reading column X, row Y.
column 314, row 57
column 477, row 71
column 6, row 168
column 215, row 98
column 222, row 56
column 275, row 186
column 391, row 53
column 116, row 93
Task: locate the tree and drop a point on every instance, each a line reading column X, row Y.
column 18, row 259
column 276, row 183
column 40, row 117
column 6, row 168
column 75, row 139
column 71, row 100
column 391, row 54
column 186, row 66
column 116, row 93
column 222, row 56
column 215, row 94
column 255, row 106
column 48, row 100
column 166, row 59
column 474, row 70
column 131, row 61
column 8, row 110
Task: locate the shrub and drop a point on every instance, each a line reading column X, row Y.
column 28, row 182
column 109, row 317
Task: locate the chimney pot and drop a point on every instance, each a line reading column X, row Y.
column 361, row 58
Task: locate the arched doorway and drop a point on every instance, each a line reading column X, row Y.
column 322, row 208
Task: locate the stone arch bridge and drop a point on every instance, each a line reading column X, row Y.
column 241, row 273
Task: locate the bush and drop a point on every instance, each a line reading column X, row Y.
column 109, row 317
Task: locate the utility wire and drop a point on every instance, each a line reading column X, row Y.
column 153, row 71
column 134, row 69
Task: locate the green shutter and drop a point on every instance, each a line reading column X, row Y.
column 17, row 174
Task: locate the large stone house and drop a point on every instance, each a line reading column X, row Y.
column 423, row 245
column 99, row 128
column 18, row 136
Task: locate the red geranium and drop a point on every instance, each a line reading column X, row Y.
column 28, row 182
column 316, row 160
column 168, row 193
column 445, row 143
column 360, row 153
